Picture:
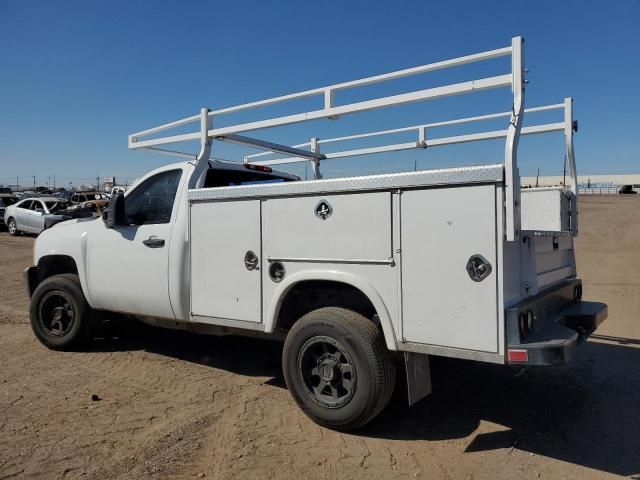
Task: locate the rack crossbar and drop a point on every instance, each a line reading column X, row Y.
column 499, row 52
column 395, row 100
column 457, row 121
column 272, row 147
column 435, row 142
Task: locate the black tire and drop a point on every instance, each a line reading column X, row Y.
column 12, row 227
column 320, row 351
column 60, row 314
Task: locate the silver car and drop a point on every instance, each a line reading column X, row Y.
column 33, row 215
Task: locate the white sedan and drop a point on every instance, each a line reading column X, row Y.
column 33, row 215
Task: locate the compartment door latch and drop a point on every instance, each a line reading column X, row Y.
column 478, row 268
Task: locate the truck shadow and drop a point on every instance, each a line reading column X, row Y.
column 586, row 413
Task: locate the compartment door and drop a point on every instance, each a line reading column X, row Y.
column 441, row 229
column 225, row 261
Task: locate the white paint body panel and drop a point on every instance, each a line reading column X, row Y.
column 358, row 228
column 221, row 234
column 546, row 209
column 441, row 304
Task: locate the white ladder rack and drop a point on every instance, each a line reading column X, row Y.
column 148, row 139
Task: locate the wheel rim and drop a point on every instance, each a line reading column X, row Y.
column 327, row 372
column 12, row 227
column 57, row 314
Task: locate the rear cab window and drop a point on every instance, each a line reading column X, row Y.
column 218, row 177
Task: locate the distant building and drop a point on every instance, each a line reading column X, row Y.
column 584, row 181
column 109, row 183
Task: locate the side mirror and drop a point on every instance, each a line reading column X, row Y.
column 40, row 211
column 114, row 214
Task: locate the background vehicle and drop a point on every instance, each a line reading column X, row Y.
column 5, row 190
column 78, row 197
column 350, row 272
column 5, row 201
column 627, row 190
column 96, row 207
column 33, row 215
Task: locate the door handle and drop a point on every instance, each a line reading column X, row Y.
column 251, row 261
column 154, row 242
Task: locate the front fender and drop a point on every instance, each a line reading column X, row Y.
column 355, row 281
column 68, row 239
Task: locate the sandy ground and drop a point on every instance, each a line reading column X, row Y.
column 175, row 405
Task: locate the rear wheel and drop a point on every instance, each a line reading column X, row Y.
column 12, row 227
column 337, row 368
column 60, row 315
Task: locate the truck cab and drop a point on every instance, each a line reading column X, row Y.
column 148, row 242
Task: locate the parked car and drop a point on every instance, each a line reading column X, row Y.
column 33, row 215
column 96, row 207
column 4, row 190
column 78, row 197
column 5, row 201
column 627, row 190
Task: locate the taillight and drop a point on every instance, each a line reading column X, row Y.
column 518, row 356
column 258, row 168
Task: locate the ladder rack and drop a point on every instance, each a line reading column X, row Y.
column 148, row 139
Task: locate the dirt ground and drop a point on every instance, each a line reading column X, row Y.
column 177, row 405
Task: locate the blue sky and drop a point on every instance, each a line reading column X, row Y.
column 76, row 77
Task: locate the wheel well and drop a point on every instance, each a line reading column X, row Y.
column 54, row 265
column 310, row 295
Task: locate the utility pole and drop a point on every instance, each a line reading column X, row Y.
column 17, row 182
column 34, row 183
column 537, row 177
column 54, row 182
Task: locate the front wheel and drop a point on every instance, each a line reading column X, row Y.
column 337, row 368
column 60, row 315
column 12, row 227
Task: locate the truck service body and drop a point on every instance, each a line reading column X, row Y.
column 455, row 262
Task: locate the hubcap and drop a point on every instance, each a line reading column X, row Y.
column 56, row 313
column 327, row 372
column 12, row 227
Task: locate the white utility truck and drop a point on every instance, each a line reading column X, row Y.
column 353, row 273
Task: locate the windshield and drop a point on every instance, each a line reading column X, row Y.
column 54, row 206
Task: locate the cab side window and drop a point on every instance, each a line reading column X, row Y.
column 26, row 205
column 152, row 201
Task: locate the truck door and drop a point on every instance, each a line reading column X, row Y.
column 33, row 218
column 129, row 264
column 449, row 270
column 22, row 212
column 226, row 254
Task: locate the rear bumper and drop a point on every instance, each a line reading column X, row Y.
column 561, row 321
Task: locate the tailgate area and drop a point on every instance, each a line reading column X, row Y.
column 546, row 329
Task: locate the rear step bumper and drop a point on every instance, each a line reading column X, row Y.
column 555, row 332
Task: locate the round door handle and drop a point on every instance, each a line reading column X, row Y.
column 251, row 261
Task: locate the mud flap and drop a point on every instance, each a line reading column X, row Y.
column 418, row 376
